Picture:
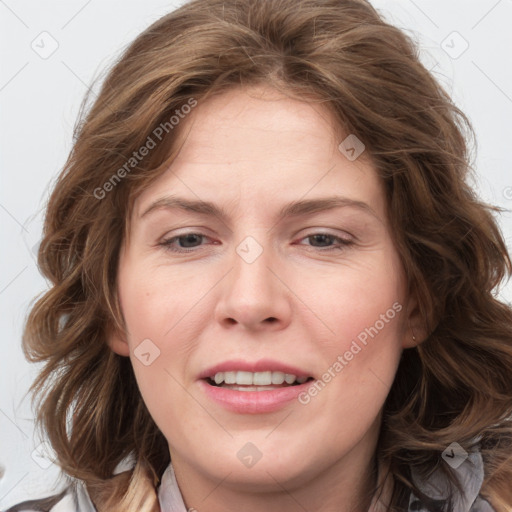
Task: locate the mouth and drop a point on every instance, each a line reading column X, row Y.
column 256, row 387
column 268, row 380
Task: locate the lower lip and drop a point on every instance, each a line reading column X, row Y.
column 253, row 402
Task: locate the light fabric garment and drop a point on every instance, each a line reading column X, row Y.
column 470, row 473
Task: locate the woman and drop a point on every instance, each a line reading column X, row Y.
column 272, row 286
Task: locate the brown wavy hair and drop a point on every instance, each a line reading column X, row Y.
column 454, row 386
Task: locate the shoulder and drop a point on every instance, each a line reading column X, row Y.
column 72, row 499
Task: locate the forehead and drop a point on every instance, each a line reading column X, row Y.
column 248, row 144
column 247, row 123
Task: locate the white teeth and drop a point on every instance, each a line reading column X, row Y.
column 230, row 377
column 290, row 379
column 253, row 388
column 277, row 377
column 262, row 378
column 242, row 378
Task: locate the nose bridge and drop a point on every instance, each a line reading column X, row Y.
column 251, row 262
column 251, row 293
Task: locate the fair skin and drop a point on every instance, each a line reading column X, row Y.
column 297, row 304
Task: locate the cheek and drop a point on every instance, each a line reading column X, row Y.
column 160, row 338
column 362, row 304
column 156, row 317
column 156, row 302
column 364, row 311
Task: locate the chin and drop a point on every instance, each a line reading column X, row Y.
column 264, row 472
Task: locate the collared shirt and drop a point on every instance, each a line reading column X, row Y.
column 470, row 472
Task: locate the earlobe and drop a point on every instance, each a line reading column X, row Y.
column 411, row 340
column 415, row 331
column 118, row 343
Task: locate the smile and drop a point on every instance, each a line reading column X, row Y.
column 255, row 381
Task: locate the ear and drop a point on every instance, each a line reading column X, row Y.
column 415, row 328
column 118, row 343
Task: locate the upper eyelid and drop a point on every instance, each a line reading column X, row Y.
column 315, row 231
column 286, row 223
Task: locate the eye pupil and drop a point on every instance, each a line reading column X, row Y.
column 323, row 237
column 189, row 238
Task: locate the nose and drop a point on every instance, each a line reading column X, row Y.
column 254, row 295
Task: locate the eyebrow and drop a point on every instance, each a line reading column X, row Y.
column 293, row 209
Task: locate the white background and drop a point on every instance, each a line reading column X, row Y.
column 39, row 101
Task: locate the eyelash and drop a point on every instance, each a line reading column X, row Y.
column 343, row 243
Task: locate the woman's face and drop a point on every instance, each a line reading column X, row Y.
column 264, row 253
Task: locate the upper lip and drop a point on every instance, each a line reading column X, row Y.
column 257, row 366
